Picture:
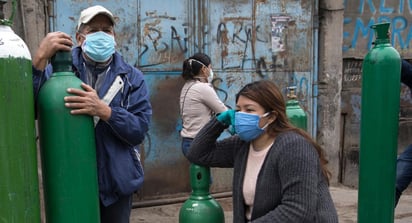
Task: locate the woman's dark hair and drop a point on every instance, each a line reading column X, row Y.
column 268, row 95
column 193, row 65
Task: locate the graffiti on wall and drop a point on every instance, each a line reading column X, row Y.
column 164, row 40
column 237, row 40
column 234, row 38
column 358, row 37
column 237, row 44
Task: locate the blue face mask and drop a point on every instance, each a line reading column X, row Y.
column 247, row 125
column 99, row 46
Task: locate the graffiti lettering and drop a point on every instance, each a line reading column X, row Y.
column 362, row 30
column 352, row 78
column 261, row 66
column 176, row 38
column 383, row 7
column 240, row 44
column 237, row 33
column 153, row 15
column 217, row 81
column 357, row 28
column 156, row 46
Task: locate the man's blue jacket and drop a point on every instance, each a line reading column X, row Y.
column 406, row 73
column 117, row 140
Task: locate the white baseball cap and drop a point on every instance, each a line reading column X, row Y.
column 88, row 14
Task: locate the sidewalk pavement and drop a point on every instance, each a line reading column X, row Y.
column 345, row 199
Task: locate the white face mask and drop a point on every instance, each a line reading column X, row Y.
column 210, row 77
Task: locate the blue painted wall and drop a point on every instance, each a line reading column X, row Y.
column 247, row 40
column 361, row 14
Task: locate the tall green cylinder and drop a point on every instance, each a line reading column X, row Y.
column 201, row 207
column 68, row 151
column 19, row 191
column 296, row 115
column 379, row 129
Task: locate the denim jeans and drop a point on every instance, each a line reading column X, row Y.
column 118, row 212
column 185, row 149
column 403, row 172
column 186, row 145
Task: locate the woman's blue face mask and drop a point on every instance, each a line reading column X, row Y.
column 99, row 46
column 247, row 125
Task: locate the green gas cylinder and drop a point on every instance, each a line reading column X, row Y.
column 295, row 113
column 68, row 150
column 379, row 129
column 19, row 190
column 201, row 207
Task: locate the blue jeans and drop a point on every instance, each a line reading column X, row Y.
column 185, row 149
column 119, row 212
column 403, row 172
column 186, row 145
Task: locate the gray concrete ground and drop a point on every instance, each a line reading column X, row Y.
column 345, row 201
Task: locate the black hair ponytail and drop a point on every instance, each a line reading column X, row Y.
column 194, row 64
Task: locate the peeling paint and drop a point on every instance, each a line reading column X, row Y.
column 156, row 36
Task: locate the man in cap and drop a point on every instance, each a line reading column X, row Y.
column 121, row 118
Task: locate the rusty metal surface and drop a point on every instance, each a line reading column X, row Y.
column 165, row 34
column 271, row 38
column 247, row 40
